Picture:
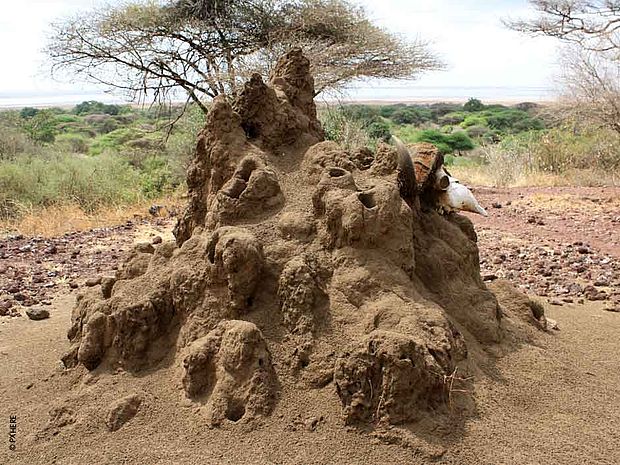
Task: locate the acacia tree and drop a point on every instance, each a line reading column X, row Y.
column 590, row 76
column 209, row 47
column 590, row 88
column 593, row 25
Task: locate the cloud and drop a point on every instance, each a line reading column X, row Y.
column 469, row 36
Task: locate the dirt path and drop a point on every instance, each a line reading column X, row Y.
column 556, row 402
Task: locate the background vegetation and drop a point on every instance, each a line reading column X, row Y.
column 97, row 156
column 490, row 144
column 92, row 156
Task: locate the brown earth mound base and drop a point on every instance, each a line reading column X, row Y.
column 297, row 262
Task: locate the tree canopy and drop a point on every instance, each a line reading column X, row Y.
column 592, row 24
column 590, row 74
column 155, row 48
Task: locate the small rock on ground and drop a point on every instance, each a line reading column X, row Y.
column 37, row 313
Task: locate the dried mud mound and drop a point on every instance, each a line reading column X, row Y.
column 298, row 264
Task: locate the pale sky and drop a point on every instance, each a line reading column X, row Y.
column 466, row 34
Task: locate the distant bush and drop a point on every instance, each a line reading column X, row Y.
column 511, row 120
column 475, row 119
column 349, row 132
column 440, row 109
column 74, row 143
column 114, row 140
column 476, row 131
column 58, row 179
column 458, row 141
column 411, row 115
column 453, row 118
column 473, row 104
column 558, row 151
column 14, row 143
column 387, row 111
column 41, row 127
column 28, row 112
column 156, row 176
column 66, row 118
column 379, row 130
column 92, row 106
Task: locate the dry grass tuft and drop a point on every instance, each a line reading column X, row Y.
column 57, row 220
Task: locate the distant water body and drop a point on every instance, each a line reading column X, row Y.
column 360, row 94
column 433, row 94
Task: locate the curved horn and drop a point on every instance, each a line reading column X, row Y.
column 406, row 172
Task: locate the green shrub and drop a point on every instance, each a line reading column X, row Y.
column 473, row 105
column 379, row 130
column 411, row 115
column 476, row 132
column 91, row 182
column 156, row 176
column 14, row 143
column 458, row 141
column 474, row 120
column 66, row 118
column 92, row 106
column 558, row 151
column 28, row 112
column 452, row 118
column 386, row 111
column 41, row 127
column 70, row 142
column 114, row 140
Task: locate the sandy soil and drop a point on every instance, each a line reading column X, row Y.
column 554, row 402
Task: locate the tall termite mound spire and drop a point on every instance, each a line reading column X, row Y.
column 265, row 116
column 296, row 265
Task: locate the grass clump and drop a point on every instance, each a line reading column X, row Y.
column 90, row 183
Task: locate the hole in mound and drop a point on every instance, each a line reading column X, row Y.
column 367, row 199
column 251, row 131
column 211, row 251
column 337, row 172
column 245, row 170
column 235, row 411
column 236, row 188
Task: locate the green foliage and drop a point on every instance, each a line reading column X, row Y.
column 559, row 151
column 509, row 120
column 66, row 118
column 411, row 115
column 453, row 118
column 156, row 176
column 59, row 178
column 28, row 112
column 387, row 111
column 114, row 140
column 350, row 133
column 379, row 130
column 446, row 143
column 14, row 143
column 92, row 107
column 128, row 163
column 361, row 112
column 474, row 120
column 74, row 143
column 459, row 141
column 473, row 104
column 41, row 127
